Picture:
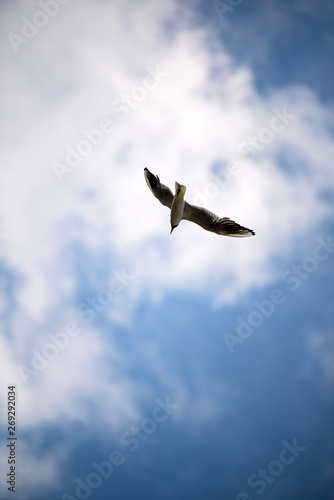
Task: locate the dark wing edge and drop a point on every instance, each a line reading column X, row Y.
column 211, row 222
column 160, row 191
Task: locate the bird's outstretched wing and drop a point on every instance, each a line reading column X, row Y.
column 211, row 222
column 160, row 191
column 204, row 218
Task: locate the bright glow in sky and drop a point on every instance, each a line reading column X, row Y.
column 188, row 362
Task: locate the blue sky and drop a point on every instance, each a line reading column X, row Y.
column 152, row 365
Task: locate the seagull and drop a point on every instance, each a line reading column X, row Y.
column 181, row 210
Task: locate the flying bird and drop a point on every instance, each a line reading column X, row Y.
column 181, row 210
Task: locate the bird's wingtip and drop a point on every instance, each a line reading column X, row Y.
column 244, row 231
column 249, row 232
column 240, row 233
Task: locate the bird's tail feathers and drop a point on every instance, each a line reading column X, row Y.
column 180, row 189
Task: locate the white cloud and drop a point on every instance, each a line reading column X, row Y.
column 184, row 125
column 189, row 121
column 74, row 376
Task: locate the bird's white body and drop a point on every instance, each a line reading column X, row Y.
column 177, row 208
